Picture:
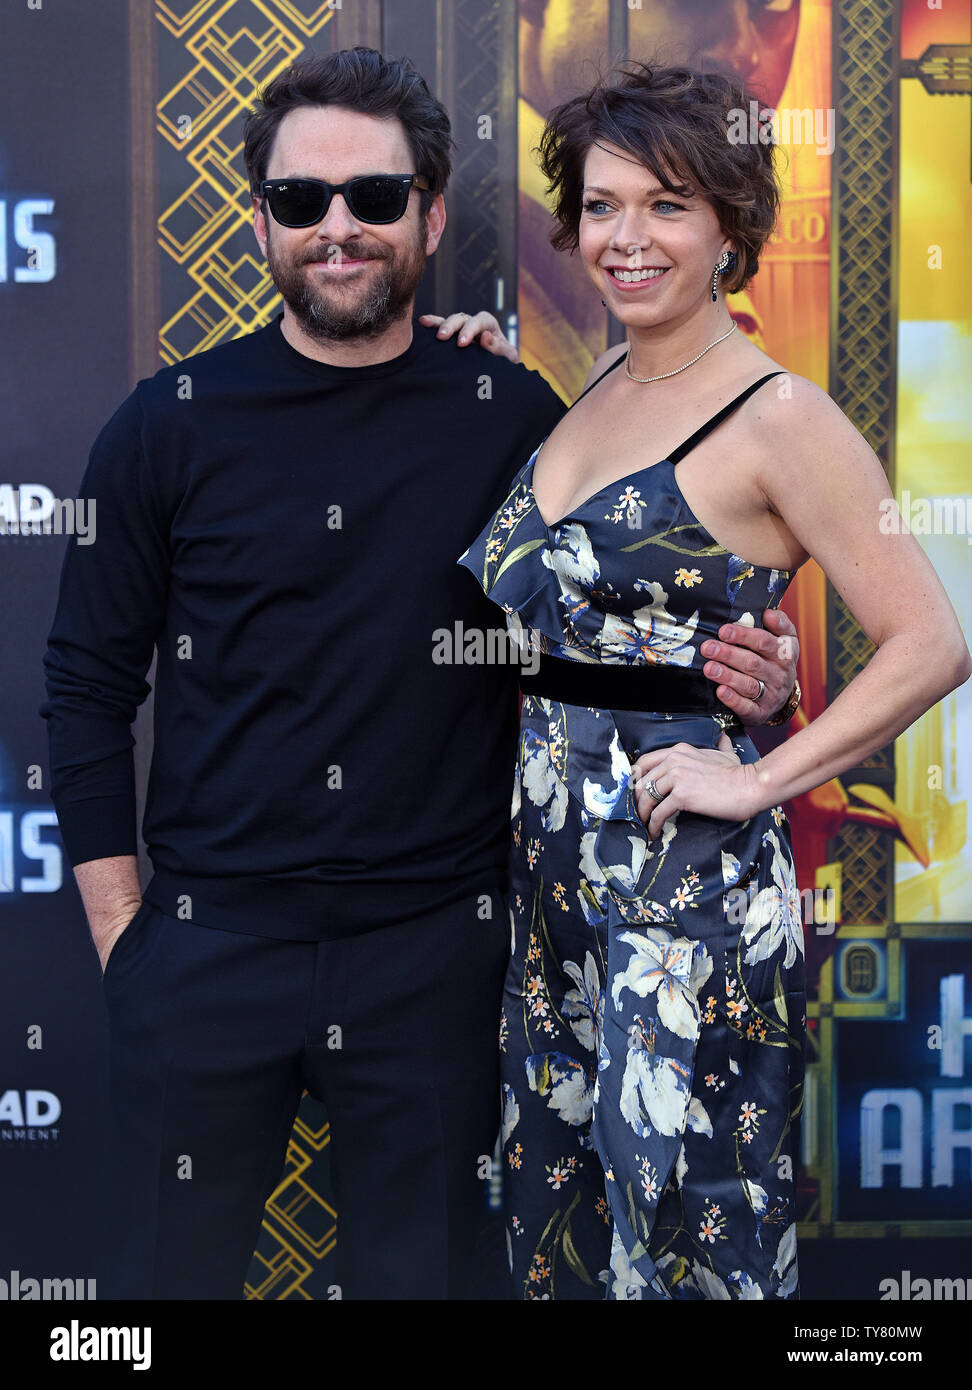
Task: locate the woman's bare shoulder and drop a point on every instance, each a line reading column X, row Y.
column 801, row 439
column 601, row 364
column 795, row 409
column 788, row 396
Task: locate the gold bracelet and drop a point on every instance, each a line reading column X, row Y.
column 790, row 708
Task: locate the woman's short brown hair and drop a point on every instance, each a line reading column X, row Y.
column 678, row 123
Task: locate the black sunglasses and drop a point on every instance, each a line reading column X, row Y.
column 370, row 198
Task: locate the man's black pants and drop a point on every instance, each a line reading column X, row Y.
column 214, row 1035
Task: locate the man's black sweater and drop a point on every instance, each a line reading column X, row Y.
column 286, row 533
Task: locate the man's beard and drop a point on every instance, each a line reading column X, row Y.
column 333, row 314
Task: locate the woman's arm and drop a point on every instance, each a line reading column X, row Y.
column 829, row 488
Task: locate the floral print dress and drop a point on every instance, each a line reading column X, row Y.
column 654, row 1010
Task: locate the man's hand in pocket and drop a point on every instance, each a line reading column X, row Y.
column 112, row 895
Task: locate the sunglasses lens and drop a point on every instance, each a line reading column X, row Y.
column 378, row 199
column 297, row 203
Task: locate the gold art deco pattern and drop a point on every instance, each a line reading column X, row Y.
column 863, row 376
column 299, row 1226
column 863, row 382
column 227, row 50
column 864, row 329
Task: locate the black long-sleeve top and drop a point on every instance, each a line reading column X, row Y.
column 286, row 532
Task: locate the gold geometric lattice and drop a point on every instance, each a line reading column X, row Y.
column 299, row 1227
column 863, row 357
column 865, row 856
column 866, row 183
column 865, row 327
column 227, row 49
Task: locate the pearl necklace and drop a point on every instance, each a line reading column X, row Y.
column 662, row 375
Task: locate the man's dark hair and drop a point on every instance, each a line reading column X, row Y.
column 358, row 79
column 675, row 121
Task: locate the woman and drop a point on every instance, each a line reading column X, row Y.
column 654, row 1016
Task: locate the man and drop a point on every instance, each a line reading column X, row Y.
column 327, row 809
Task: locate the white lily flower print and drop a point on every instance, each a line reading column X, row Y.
column 697, row 1118
column 627, row 875
column 626, row 1282
column 774, row 916
column 565, row 1082
column 592, row 874
column 652, row 634
column 708, row 1283
column 661, row 964
column 583, row 1006
column 681, row 1167
column 739, row 1285
column 757, row 1196
column 731, row 869
column 573, row 562
column 745, row 1285
column 600, row 798
column 654, row 1090
column 541, row 783
column 785, row 1267
column 511, row 1112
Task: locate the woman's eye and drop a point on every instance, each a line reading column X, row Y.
column 597, row 206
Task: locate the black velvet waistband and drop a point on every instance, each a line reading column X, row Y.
column 672, row 689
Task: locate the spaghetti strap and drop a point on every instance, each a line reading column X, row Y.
column 718, row 418
column 703, row 430
column 614, row 364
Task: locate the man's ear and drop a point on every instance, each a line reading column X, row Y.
column 435, row 220
column 260, row 222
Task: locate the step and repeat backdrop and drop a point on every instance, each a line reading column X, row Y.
column 126, row 244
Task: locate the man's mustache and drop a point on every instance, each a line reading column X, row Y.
column 349, row 251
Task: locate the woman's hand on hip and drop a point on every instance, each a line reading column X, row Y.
column 709, row 781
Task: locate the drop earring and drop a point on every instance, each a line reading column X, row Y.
column 725, row 261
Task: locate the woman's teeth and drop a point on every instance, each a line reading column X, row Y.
column 627, row 277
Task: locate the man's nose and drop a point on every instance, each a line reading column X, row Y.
column 338, row 224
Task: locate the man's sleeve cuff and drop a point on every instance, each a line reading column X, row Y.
column 97, row 828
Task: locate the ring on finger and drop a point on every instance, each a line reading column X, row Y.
column 652, row 790
column 762, row 689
